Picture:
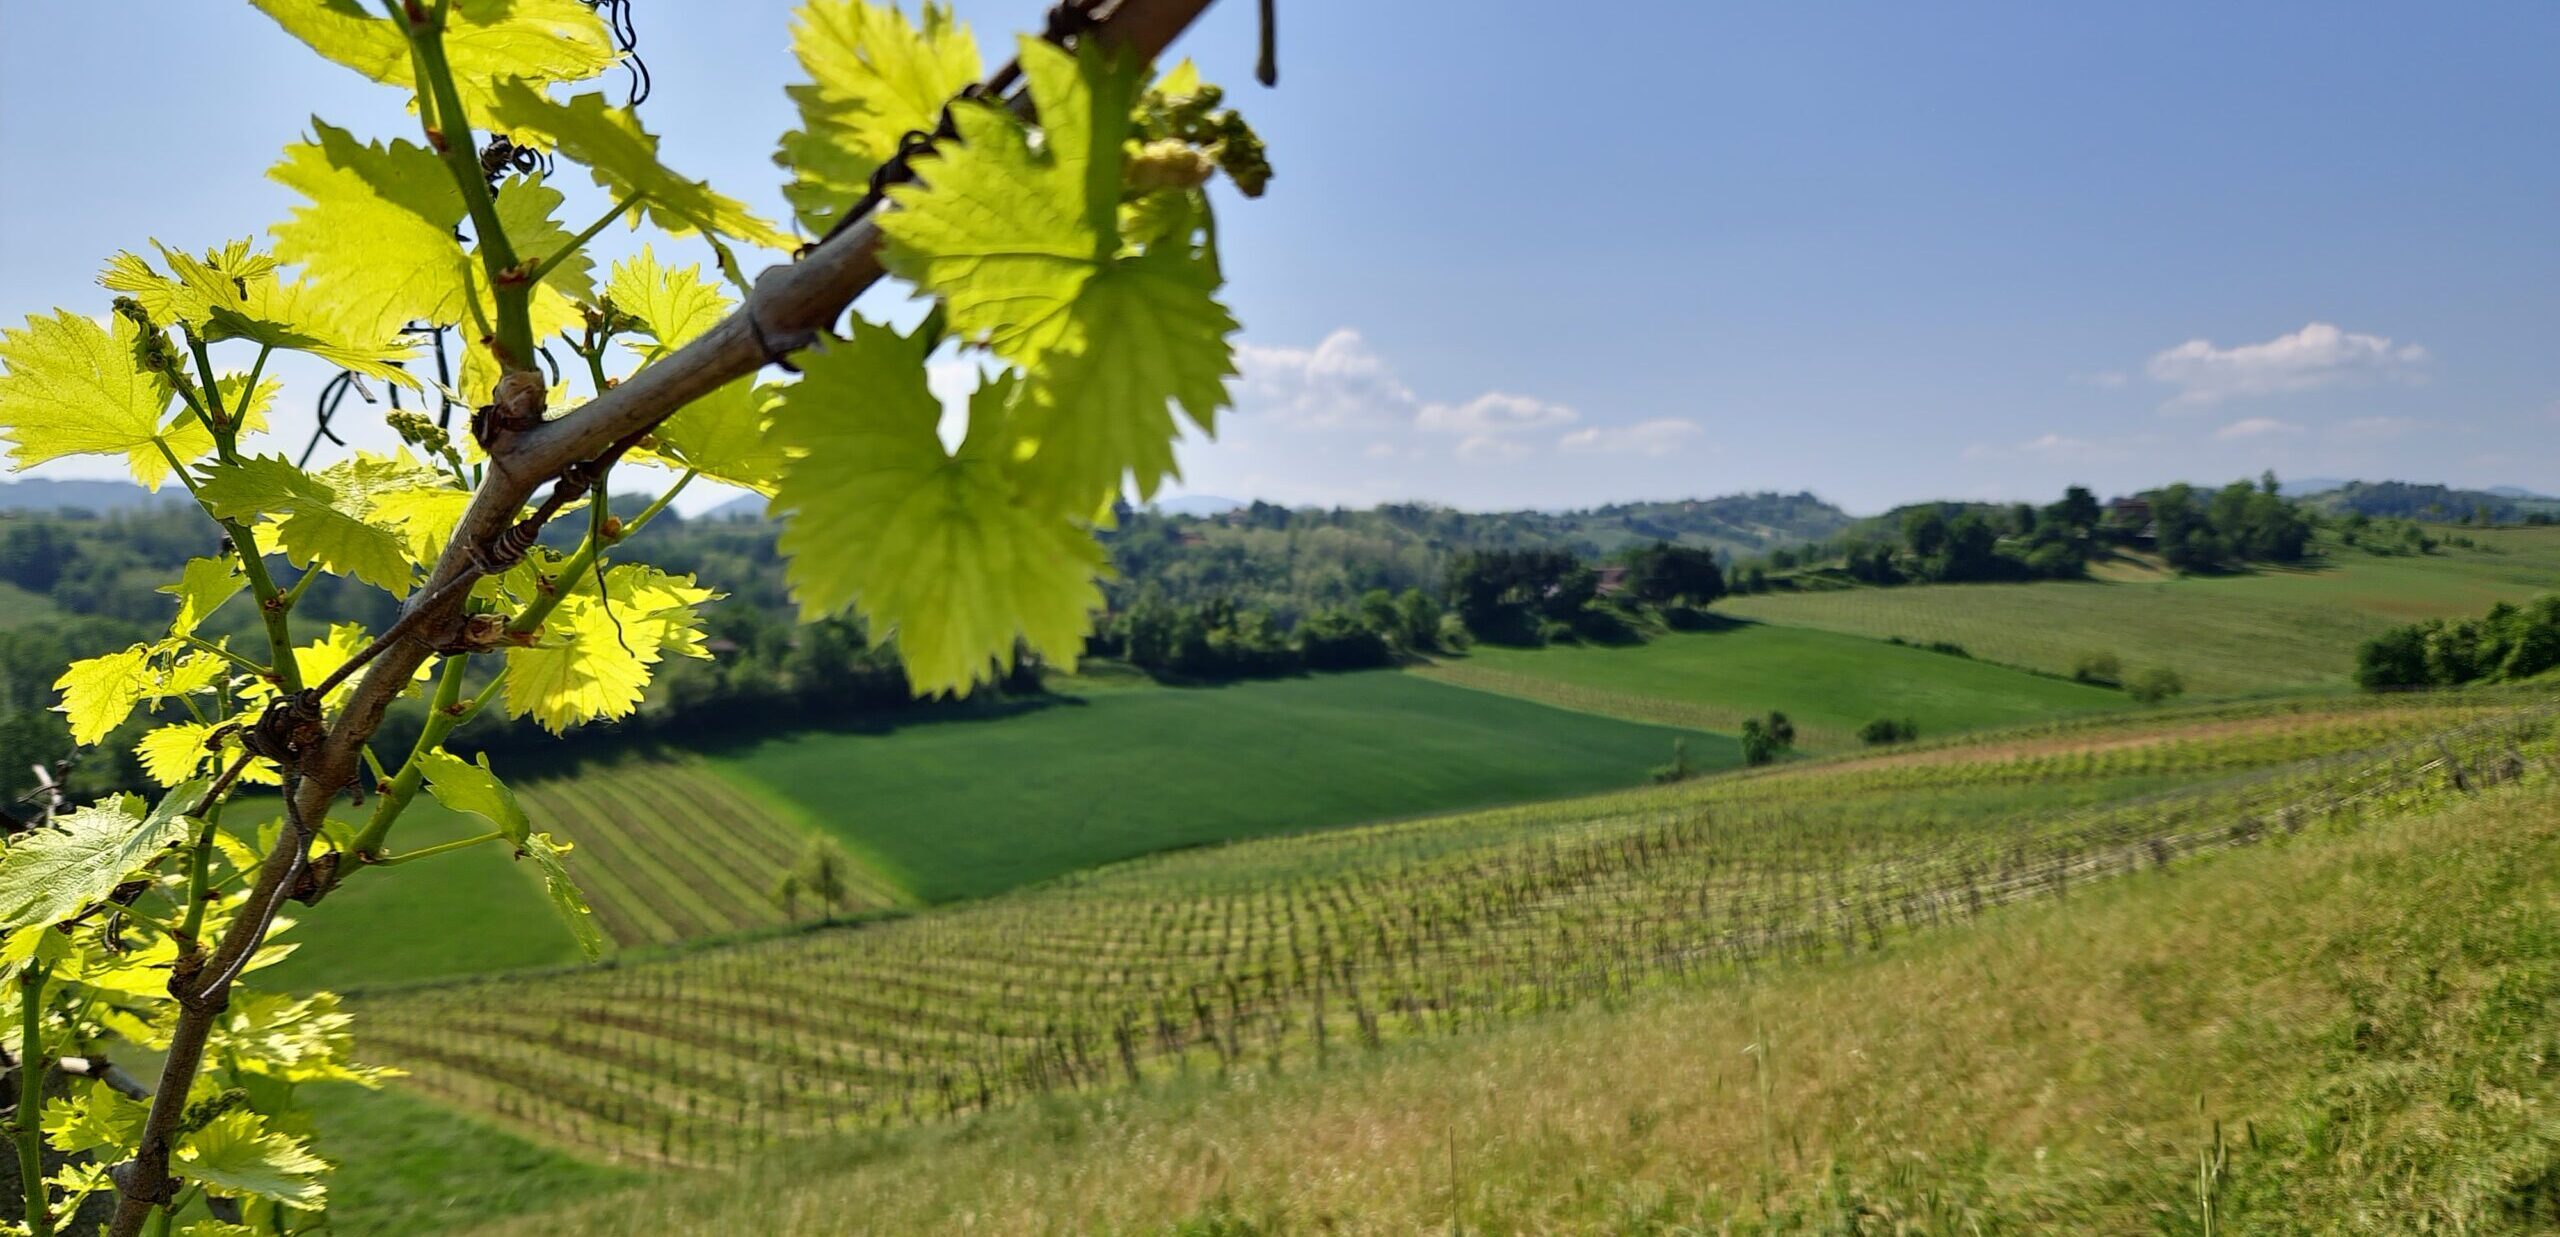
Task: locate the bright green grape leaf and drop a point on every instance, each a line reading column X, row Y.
column 485, row 42
column 527, row 210
column 423, row 515
column 52, row 874
column 236, row 1154
column 872, row 77
column 95, row 1119
column 930, row 546
column 376, row 237
column 674, row 305
column 1024, row 247
column 624, row 160
column 190, row 439
column 98, row 693
column 467, row 787
column 175, row 752
column 566, row 898
column 593, row 659
column 295, row 1038
column 1147, row 334
column 69, row 386
column 725, row 436
column 203, row 585
column 1008, row 235
column 329, row 517
column 233, row 293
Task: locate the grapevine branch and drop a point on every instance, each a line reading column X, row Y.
column 787, row 309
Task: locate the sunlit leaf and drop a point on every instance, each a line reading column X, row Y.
column 872, row 77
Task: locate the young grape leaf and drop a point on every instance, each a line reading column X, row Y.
column 95, row 1118
column 467, row 787
column 929, row 545
column 327, row 518
column 98, row 693
column 52, row 874
column 723, row 436
column 189, row 439
column 526, row 209
column 872, row 77
column 591, row 662
column 485, row 42
column 565, row 895
column 236, row 1154
column 376, row 238
column 624, row 160
column 174, row 753
column 71, row 387
column 1024, row 247
column 203, row 585
column 673, row 305
column 233, row 293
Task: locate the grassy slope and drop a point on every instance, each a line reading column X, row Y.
column 18, row 606
column 458, row 914
column 405, row 1165
column 2225, row 634
column 1828, row 684
column 2368, row 1014
column 958, row 809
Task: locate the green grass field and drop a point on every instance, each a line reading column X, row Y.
column 2251, row 632
column 967, row 808
column 1826, row 683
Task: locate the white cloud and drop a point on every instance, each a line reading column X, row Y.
column 1494, row 412
column 1337, row 382
column 2256, row 427
column 1658, row 437
column 1485, row 447
column 2319, row 355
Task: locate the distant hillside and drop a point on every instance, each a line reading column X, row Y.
column 99, row 497
column 2413, row 501
column 2519, row 492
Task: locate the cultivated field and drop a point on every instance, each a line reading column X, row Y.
column 2252, row 632
column 1271, row 956
column 1827, row 684
column 2348, row 1031
column 951, row 809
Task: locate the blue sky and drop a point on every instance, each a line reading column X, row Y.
column 1518, row 254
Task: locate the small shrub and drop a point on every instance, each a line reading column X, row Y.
column 2102, row 669
column 1884, row 730
column 2155, row 685
column 1678, row 770
column 1765, row 739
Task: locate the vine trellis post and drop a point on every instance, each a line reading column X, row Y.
column 788, row 308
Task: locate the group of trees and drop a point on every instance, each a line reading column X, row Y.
column 2238, row 524
column 2509, row 642
column 1219, row 639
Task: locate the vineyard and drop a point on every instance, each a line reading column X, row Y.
column 1275, row 953
column 676, row 852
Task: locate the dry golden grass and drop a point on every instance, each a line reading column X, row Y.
column 2372, row 1007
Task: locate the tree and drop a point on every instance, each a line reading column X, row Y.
column 1093, row 227
column 1662, row 572
column 1418, row 620
column 1766, row 739
column 2155, row 684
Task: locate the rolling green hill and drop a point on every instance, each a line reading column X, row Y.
column 676, row 850
column 1866, row 900
column 1827, row 684
column 963, row 809
column 2250, row 632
